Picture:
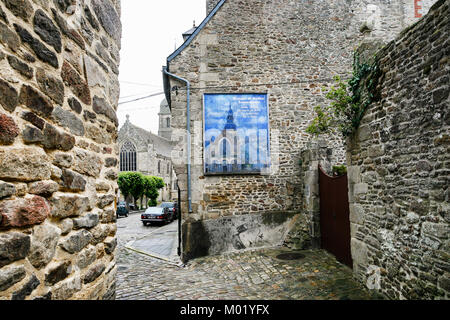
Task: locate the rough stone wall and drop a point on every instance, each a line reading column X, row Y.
column 289, row 49
column 380, row 17
column 58, row 159
column 210, row 4
column 384, row 19
column 306, row 234
column 399, row 168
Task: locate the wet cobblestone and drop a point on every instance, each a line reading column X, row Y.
column 247, row 275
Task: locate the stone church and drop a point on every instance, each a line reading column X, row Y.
column 150, row 154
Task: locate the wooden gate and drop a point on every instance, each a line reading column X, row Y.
column 335, row 216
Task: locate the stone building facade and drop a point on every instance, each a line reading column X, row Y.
column 150, row 154
column 398, row 167
column 59, row 91
column 289, row 50
column 165, row 119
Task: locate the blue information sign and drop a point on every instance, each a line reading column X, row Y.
column 236, row 134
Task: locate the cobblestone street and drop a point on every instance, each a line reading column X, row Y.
column 246, row 275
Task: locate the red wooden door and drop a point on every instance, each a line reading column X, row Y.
column 335, row 216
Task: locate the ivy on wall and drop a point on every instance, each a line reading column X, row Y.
column 349, row 100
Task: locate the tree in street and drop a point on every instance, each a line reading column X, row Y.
column 131, row 183
column 151, row 186
column 124, row 185
column 138, row 185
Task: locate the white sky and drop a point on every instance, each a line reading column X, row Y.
column 150, row 29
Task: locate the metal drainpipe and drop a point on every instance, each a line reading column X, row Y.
column 188, row 128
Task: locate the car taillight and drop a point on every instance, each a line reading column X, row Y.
column 142, row 216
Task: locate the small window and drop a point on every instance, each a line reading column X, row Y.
column 168, row 122
column 168, row 168
column 159, row 166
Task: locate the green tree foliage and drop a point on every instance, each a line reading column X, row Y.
column 131, row 183
column 159, row 182
column 138, row 185
column 150, row 190
column 137, row 189
column 124, row 184
column 152, row 185
column 152, row 203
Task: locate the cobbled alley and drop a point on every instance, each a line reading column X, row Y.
column 247, row 275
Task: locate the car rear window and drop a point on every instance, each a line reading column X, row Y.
column 153, row 210
column 166, row 205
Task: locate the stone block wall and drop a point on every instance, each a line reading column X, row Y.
column 59, row 91
column 288, row 49
column 210, row 4
column 381, row 19
column 399, row 167
column 228, row 234
column 305, row 234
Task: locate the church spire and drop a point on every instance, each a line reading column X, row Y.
column 230, row 121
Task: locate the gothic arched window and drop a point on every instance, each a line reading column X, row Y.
column 128, row 157
column 159, row 166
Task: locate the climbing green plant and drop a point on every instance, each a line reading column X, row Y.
column 348, row 100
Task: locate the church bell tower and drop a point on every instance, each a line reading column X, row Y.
column 165, row 119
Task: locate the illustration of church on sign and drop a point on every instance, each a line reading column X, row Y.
column 236, row 135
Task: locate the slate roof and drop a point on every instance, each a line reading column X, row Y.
column 161, row 145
